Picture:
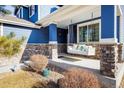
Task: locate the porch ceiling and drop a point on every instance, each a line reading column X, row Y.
column 66, row 15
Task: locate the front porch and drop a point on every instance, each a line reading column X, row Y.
column 92, row 65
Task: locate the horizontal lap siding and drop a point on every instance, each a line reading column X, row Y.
column 107, row 21
column 39, row 36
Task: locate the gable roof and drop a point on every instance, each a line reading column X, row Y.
column 8, row 19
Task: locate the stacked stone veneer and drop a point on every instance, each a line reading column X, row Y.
column 43, row 49
column 120, row 53
column 108, row 59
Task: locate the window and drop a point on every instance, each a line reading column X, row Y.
column 93, row 32
column 83, row 34
column 31, row 10
column 89, row 33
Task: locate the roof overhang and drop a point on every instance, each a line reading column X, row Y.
column 119, row 10
column 64, row 15
column 22, row 22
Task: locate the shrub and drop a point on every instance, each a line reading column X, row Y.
column 10, row 46
column 38, row 62
column 78, row 78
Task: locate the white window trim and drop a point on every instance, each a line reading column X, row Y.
column 22, row 13
column 20, row 10
column 18, row 13
column 32, row 13
column 86, row 24
column 1, row 29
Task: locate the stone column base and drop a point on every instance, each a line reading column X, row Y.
column 108, row 59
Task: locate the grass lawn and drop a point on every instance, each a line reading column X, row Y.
column 24, row 79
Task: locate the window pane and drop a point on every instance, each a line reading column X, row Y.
column 93, row 32
column 83, row 34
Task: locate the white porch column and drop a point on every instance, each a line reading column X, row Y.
column 1, row 29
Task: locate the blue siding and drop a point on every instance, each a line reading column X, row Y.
column 53, row 9
column 34, row 18
column 39, row 36
column 118, row 28
column 107, row 21
column 52, row 32
column 25, row 13
column 33, row 35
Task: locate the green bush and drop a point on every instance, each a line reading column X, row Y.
column 10, row 46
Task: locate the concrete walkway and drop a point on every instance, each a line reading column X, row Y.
column 82, row 62
column 7, row 68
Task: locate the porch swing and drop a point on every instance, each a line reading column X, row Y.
column 80, row 49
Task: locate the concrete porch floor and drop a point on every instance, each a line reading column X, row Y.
column 84, row 63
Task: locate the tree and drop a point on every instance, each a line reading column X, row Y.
column 4, row 11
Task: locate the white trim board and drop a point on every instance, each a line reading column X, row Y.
column 1, row 29
column 108, row 40
column 39, row 9
column 17, row 23
column 32, row 13
column 52, row 42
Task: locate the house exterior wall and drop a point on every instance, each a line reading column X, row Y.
column 40, row 12
column 39, row 36
column 25, row 13
column 32, row 35
column 34, row 18
column 35, row 35
column 107, row 17
column 108, row 20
